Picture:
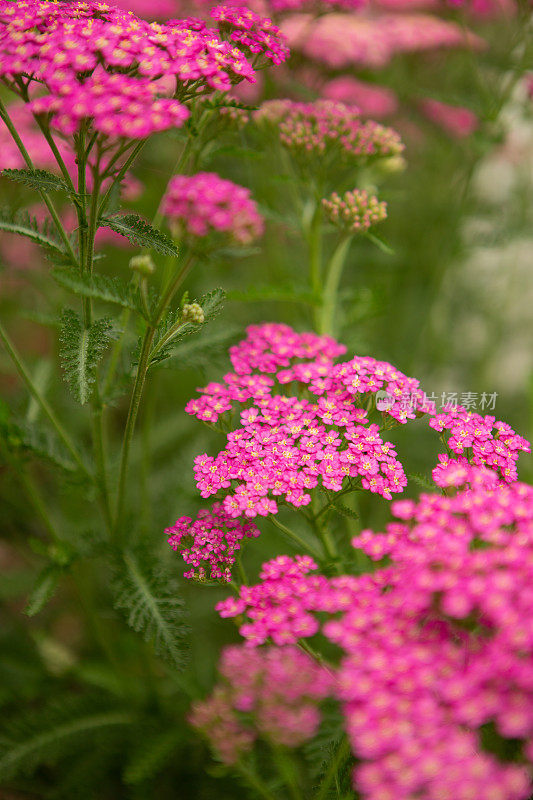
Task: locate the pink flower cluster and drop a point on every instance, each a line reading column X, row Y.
column 372, row 100
column 209, row 544
column 93, row 61
column 485, row 441
column 355, row 211
column 325, row 127
column 272, row 693
column 342, row 40
column 197, row 205
column 252, row 32
column 287, row 446
column 280, row 608
column 438, row 646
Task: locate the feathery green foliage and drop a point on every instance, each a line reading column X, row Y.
column 151, row 604
column 23, row 224
column 100, row 287
column 81, row 350
column 40, row 179
column 139, row 232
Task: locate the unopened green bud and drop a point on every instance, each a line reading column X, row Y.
column 192, row 312
column 142, row 264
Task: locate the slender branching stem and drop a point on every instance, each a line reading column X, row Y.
column 302, row 543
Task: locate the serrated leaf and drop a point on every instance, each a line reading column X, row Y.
column 100, row 287
column 346, row 511
column 26, row 439
column 23, row 224
column 202, row 349
column 212, row 303
column 42, row 736
column 422, row 481
column 81, row 350
column 43, row 590
column 139, row 232
column 152, row 606
column 40, row 179
column 152, row 755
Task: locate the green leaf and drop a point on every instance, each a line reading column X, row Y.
column 346, row 511
column 46, row 735
column 29, row 439
column 155, row 750
column 39, row 179
column 44, row 589
column 139, row 232
column 81, row 350
column 202, row 349
column 100, row 287
column 423, row 481
column 23, row 224
column 152, row 606
column 212, row 304
column 383, row 246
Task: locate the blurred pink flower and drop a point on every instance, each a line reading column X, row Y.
column 372, row 101
column 458, row 121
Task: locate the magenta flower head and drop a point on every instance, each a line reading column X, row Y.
column 355, row 211
column 273, row 694
column 78, row 62
column 203, row 204
column 253, row 33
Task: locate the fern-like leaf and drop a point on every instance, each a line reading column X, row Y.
column 23, row 224
column 422, row 481
column 139, row 232
column 153, row 753
column 43, row 590
column 100, row 287
column 152, row 606
column 39, row 179
column 81, row 350
column 45, row 736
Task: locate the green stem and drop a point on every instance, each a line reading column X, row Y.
column 302, row 544
column 125, row 167
column 314, row 238
column 43, row 195
column 326, row 322
column 45, row 130
column 140, row 378
column 43, row 403
column 87, row 232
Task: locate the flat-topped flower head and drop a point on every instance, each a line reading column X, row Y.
column 273, row 694
column 209, row 544
column 436, row 669
column 203, row 204
column 355, row 211
column 77, row 61
column 254, row 33
column 328, row 129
